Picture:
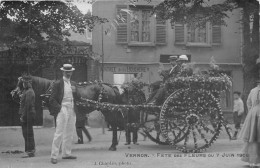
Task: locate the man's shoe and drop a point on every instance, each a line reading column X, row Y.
column 54, row 161
column 28, row 155
column 79, row 143
column 127, row 143
column 234, row 138
column 136, row 143
column 69, row 157
column 31, row 154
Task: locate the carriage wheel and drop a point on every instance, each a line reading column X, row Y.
column 191, row 120
column 151, row 128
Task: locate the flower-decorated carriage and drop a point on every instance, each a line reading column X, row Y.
column 190, row 119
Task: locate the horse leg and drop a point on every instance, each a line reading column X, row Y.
column 127, row 136
column 135, row 136
column 114, row 139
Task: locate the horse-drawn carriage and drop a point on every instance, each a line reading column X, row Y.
column 190, row 118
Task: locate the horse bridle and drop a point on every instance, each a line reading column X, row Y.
column 18, row 91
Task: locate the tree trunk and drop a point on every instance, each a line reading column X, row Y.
column 250, row 49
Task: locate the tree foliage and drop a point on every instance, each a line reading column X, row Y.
column 193, row 11
column 30, row 29
column 30, row 24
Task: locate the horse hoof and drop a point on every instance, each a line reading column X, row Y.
column 112, row 148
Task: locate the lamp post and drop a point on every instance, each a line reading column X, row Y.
column 102, row 51
column 102, row 71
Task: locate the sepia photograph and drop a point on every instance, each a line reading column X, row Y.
column 129, row 84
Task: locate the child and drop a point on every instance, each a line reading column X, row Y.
column 238, row 111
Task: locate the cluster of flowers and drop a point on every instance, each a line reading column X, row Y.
column 212, row 83
column 134, row 85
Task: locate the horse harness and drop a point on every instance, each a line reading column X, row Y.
column 47, row 94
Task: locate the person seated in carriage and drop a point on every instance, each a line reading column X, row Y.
column 177, row 68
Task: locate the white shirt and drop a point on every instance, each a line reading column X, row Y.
column 238, row 106
column 68, row 97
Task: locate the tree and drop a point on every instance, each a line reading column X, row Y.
column 186, row 11
column 31, row 28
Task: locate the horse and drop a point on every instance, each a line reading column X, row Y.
column 39, row 85
column 132, row 96
column 104, row 93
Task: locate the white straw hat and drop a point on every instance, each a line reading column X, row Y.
column 183, row 58
column 67, row 67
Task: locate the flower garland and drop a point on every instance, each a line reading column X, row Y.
column 104, row 106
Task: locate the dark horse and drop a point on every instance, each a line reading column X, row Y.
column 40, row 86
column 132, row 96
column 108, row 94
column 89, row 91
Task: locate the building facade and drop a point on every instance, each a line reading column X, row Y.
column 141, row 43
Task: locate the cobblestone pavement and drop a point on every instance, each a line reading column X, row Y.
column 96, row 154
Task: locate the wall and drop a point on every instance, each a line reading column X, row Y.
column 227, row 55
column 228, row 52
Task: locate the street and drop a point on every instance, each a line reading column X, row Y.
column 222, row 154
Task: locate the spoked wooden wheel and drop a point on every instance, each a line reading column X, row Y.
column 151, row 128
column 191, row 120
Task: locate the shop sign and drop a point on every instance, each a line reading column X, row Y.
column 126, row 69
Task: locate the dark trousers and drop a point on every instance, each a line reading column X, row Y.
column 80, row 136
column 128, row 135
column 237, row 120
column 28, row 135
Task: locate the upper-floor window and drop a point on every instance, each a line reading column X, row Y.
column 136, row 26
column 140, row 25
column 203, row 35
column 197, row 34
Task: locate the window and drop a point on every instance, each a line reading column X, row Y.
column 204, row 35
column 164, row 58
column 197, row 34
column 140, row 30
column 136, row 26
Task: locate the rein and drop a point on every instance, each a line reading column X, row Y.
column 48, row 92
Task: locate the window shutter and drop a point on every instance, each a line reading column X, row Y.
column 179, row 33
column 160, row 32
column 121, row 17
column 216, row 35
